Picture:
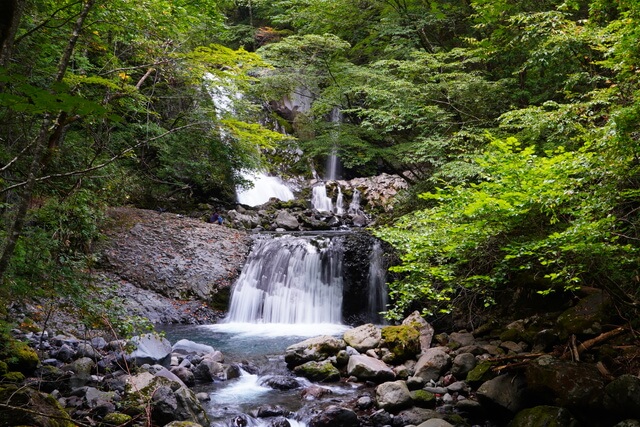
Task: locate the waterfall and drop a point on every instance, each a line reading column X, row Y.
column 290, row 280
column 339, row 203
column 319, row 199
column 377, row 282
column 264, row 188
column 333, row 169
column 354, row 206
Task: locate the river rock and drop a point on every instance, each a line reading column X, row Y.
column 622, row 396
column 65, row 353
column 587, row 316
column 185, row 375
column 208, row 370
column 313, row 349
column 463, row 364
column 280, row 382
column 504, row 395
column 185, row 346
column 540, row 416
column 424, row 328
column 565, row 383
column 82, row 368
column 433, row 363
column 318, row 371
column 415, row 416
column 151, row 349
column 335, row 416
column 367, row 368
column 363, row 337
column 179, row 405
column 87, row 350
column 287, row 221
column 461, row 339
column 403, row 342
column 44, row 411
column 393, row 396
column 435, row 422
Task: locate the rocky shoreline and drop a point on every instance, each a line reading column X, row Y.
column 403, row 375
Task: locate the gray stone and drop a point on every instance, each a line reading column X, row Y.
column 622, row 396
column 462, row 338
column 185, row 375
column 393, row 395
column 208, row 370
column 82, row 368
column 432, row 364
column 317, row 349
column 505, row 393
column 367, row 368
column 86, row 350
column 463, row 364
column 287, row 221
column 151, row 349
column 318, row 371
column 335, row 416
column 435, row 422
column 425, row 329
column 363, row 337
column 544, row 416
column 185, row 346
column 415, row 416
column 65, row 353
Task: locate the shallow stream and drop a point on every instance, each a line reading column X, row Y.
column 261, row 346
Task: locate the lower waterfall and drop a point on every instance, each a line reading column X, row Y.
column 290, row 280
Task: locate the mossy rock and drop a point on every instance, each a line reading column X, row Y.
column 587, row 316
column 45, row 411
column 544, row 416
column 318, row 371
column 116, row 419
column 403, row 342
column 481, row 373
column 20, row 357
column 3, row 368
column 423, row 399
column 13, row 377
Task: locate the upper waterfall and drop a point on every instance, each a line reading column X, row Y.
column 264, row 188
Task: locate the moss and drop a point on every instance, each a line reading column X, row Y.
column 3, row 368
column 423, row 399
column 481, row 373
column 116, row 419
column 403, row 342
column 20, row 357
column 318, row 371
column 511, row 335
column 13, row 377
column 45, row 410
column 544, row 416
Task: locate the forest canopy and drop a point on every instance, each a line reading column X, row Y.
column 515, row 124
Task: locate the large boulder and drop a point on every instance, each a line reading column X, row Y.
column 318, row 371
column 44, row 410
column 424, row 328
column 185, row 346
column 622, row 396
column 287, row 221
column 544, row 416
column 393, row 396
column 313, row 349
column 564, row 383
column 367, row 368
column 335, row 416
column 152, row 349
column 363, row 337
column 433, row 363
column 587, row 316
column 403, row 342
column 504, row 395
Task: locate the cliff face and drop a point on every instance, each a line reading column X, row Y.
column 168, row 267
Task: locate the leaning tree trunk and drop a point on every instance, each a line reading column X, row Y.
column 17, row 223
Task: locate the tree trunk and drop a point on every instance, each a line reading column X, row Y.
column 17, row 224
column 10, row 14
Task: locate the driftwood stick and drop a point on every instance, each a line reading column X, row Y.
column 588, row 344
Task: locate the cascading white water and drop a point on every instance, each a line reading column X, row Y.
column 378, row 296
column 354, row 206
column 290, row 280
column 340, row 202
column 264, row 188
column 319, row 199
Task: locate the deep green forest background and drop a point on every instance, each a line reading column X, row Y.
column 515, row 123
